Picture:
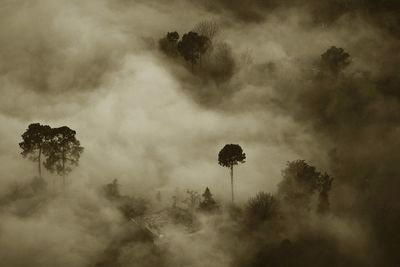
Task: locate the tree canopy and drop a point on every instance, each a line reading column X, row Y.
column 192, row 46
column 300, row 182
column 168, row 44
column 34, row 142
column 334, row 60
column 230, row 155
column 64, row 151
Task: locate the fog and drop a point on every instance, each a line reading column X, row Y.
column 154, row 124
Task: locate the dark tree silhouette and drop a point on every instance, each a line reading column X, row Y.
column 207, row 28
column 192, row 46
column 35, row 139
column 229, row 156
column 300, row 182
column 208, row 204
column 260, row 208
column 334, row 60
column 64, row 151
column 168, row 44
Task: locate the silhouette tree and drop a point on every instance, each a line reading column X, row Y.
column 300, row 182
column 192, row 200
column 64, row 151
column 229, row 156
column 192, row 46
column 35, row 139
column 208, row 204
column 334, row 60
column 207, row 28
column 260, row 208
column 168, row 44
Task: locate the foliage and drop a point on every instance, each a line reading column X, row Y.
column 222, row 66
column 230, row 155
column 193, row 199
column 168, row 44
column 64, row 151
column 260, row 208
column 300, row 182
column 130, row 207
column 34, row 143
column 334, row 60
column 207, row 28
column 208, row 204
column 192, row 46
column 111, row 190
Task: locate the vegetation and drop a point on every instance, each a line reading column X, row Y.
column 34, row 144
column 208, row 204
column 229, row 156
column 58, row 146
column 301, row 182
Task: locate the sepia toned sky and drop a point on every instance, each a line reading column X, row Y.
column 91, row 66
column 148, row 121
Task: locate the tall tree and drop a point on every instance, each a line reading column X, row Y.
column 192, row 46
column 35, row 139
column 64, row 151
column 168, row 44
column 229, row 156
column 334, row 60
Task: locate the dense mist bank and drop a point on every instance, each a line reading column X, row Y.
column 287, row 80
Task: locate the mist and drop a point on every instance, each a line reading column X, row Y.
column 155, row 123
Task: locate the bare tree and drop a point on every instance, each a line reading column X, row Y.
column 207, row 28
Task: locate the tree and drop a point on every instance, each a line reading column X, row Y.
column 111, row 190
column 35, row 139
column 64, row 151
column 300, row 183
column 208, row 204
column 207, row 28
column 168, row 44
column 334, row 60
column 229, row 156
column 192, row 46
column 260, row 208
column 222, row 66
column 192, row 200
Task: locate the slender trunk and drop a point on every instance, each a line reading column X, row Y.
column 232, row 181
column 63, row 168
column 40, row 162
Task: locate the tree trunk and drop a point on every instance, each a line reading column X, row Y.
column 63, row 167
column 232, row 181
column 40, row 162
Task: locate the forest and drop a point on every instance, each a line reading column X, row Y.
column 199, row 133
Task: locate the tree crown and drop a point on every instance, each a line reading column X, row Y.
column 230, row 155
column 34, row 138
